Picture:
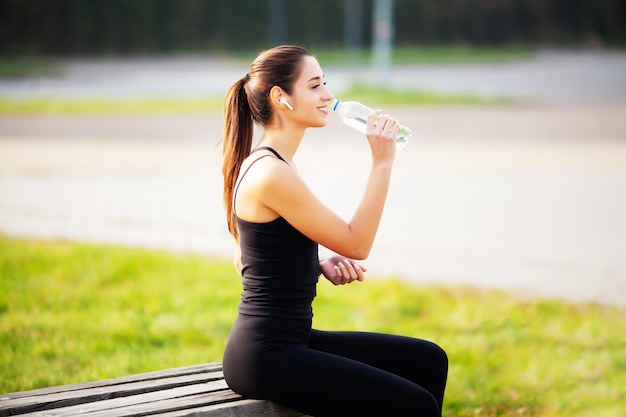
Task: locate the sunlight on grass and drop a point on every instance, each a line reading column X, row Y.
column 402, row 98
column 110, row 106
column 75, row 312
column 212, row 105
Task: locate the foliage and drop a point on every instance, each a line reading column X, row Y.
column 74, row 312
column 70, row 27
column 510, row 21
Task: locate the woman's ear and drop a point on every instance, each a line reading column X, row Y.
column 278, row 98
column 275, row 94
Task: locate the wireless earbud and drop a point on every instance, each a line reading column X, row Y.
column 282, row 100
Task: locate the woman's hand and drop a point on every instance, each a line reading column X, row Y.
column 340, row 270
column 381, row 133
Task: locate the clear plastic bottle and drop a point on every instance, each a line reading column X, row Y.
column 355, row 114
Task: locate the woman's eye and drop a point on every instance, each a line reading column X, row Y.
column 317, row 85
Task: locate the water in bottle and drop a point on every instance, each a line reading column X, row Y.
column 355, row 114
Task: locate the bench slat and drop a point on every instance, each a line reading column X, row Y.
column 191, row 391
column 146, row 404
column 146, row 376
column 241, row 408
column 87, row 395
column 104, row 390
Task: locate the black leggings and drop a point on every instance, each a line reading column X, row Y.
column 334, row 373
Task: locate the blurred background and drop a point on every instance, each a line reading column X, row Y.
column 116, row 27
column 515, row 178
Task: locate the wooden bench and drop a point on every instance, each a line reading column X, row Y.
column 197, row 391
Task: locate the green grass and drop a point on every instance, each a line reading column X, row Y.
column 94, row 106
column 28, row 67
column 427, row 54
column 75, row 312
column 460, row 54
column 110, row 106
column 408, row 98
column 83, row 107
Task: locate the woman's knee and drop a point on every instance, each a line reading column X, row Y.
column 439, row 355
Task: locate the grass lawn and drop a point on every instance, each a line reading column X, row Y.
column 95, row 106
column 426, row 54
column 108, row 106
column 74, row 312
column 28, row 67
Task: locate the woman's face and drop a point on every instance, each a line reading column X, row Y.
column 310, row 96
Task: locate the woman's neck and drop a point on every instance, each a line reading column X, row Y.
column 282, row 140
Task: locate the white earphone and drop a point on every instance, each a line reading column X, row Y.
column 282, row 100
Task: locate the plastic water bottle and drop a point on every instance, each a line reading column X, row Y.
column 354, row 114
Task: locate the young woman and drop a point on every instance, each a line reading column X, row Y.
column 272, row 352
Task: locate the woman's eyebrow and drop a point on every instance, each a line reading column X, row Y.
column 317, row 77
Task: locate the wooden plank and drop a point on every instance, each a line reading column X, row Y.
column 198, row 391
column 87, row 396
column 218, row 403
column 147, row 404
column 146, row 376
column 102, row 390
column 168, row 405
column 241, row 408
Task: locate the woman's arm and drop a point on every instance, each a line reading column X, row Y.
column 281, row 190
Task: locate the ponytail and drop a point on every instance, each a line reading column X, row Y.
column 247, row 102
column 237, row 144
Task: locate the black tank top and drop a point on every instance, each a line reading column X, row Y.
column 280, row 267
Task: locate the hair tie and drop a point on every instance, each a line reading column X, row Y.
column 246, row 77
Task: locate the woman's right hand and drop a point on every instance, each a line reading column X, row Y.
column 381, row 133
column 340, row 270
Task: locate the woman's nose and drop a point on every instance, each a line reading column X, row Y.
column 328, row 95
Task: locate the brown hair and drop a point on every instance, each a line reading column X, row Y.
column 247, row 102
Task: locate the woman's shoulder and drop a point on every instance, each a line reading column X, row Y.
column 262, row 166
column 262, row 186
column 263, row 175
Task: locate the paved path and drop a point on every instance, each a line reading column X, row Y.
column 529, row 200
column 550, row 76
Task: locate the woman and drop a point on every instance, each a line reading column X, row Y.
column 272, row 352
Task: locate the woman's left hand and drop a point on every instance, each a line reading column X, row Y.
column 340, row 270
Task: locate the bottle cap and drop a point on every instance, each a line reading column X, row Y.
column 335, row 104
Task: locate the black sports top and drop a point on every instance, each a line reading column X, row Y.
column 280, row 267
